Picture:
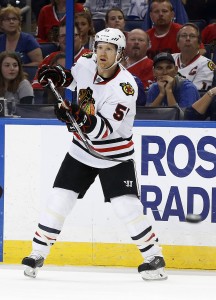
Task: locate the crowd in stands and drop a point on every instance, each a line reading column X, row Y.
column 14, row 85
column 171, row 52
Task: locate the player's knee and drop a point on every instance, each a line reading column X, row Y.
column 59, row 205
column 62, row 201
column 127, row 207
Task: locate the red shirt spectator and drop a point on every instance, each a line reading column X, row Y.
column 144, row 70
column 48, row 22
column 78, row 7
column 163, row 43
column 209, row 34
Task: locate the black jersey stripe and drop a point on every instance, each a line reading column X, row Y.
column 113, row 141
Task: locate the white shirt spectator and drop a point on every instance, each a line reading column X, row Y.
column 200, row 70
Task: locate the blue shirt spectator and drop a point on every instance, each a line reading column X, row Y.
column 13, row 39
column 26, row 44
column 170, row 89
column 185, row 93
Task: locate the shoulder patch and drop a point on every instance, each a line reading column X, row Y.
column 88, row 54
column 211, row 65
column 127, row 88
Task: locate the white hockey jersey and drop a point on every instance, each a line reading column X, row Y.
column 200, row 71
column 113, row 102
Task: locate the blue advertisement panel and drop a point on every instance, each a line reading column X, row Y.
column 178, row 170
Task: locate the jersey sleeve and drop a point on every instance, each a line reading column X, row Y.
column 203, row 79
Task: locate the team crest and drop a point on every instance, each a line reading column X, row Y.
column 211, row 65
column 86, row 101
column 127, row 88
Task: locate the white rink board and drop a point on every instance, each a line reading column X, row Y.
column 33, row 155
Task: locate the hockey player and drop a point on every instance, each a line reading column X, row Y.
column 105, row 113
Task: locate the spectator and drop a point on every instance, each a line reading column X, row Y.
column 14, row 39
column 79, row 50
column 209, row 34
column 85, row 25
column 192, row 65
column 115, row 18
column 203, row 108
column 98, row 8
column 78, row 7
column 170, row 89
column 138, row 9
column 180, row 15
column 49, row 19
column 13, row 83
column 58, row 59
column 136, row 60
column 163, row 34
column 48, row 58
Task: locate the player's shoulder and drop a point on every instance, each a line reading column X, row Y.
column 125, row 83
column 87, row 55
column 86, row 60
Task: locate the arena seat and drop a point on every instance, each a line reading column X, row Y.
column 131, row 24
column 31, row 71
column 99, row 24
column 48, row 48
column 40, row 111
column 201, row 23
column 157, row 113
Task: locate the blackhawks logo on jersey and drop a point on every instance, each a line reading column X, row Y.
column 127, row 88
column 85, row 100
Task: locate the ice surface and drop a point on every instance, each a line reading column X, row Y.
column 104, row 283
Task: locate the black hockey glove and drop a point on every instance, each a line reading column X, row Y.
column 85, row 121
column 59, row 76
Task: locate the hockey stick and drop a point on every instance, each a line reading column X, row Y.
column 78, row 130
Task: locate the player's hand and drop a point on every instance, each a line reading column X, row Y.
column 59, row 76
column 84, row 121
